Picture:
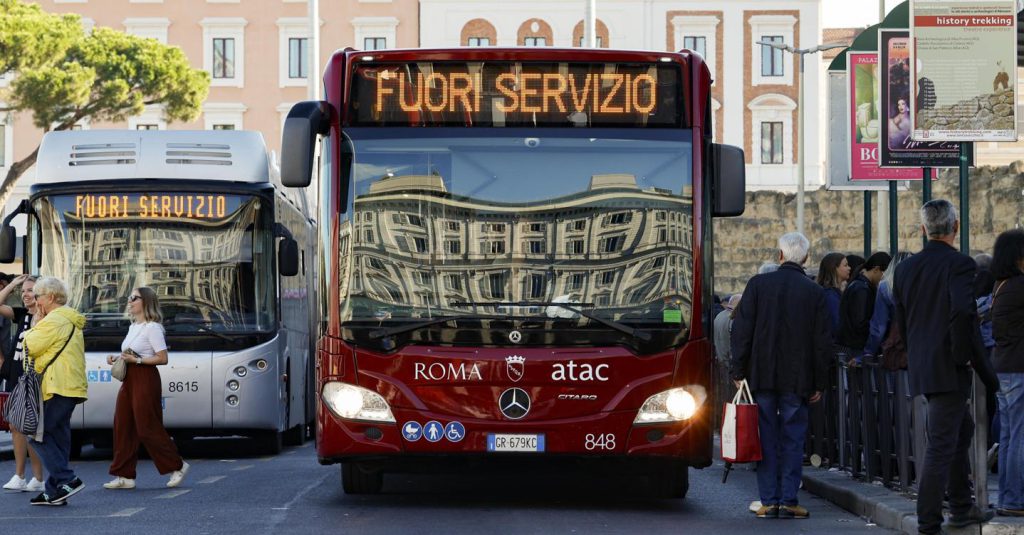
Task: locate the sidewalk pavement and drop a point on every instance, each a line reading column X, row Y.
column 890, row 509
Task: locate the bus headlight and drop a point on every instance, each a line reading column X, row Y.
column 356, row 403
column 673, row 405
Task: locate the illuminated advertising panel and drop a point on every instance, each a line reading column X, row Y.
column 496, row 94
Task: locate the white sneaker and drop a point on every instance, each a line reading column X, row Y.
column 35, row 486
column 16, row 483
column 120, row 483
column 178, row 475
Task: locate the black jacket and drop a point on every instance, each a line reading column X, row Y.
column 934, row 299
column 855, row 310
column 780, row 335
column 1008, row 325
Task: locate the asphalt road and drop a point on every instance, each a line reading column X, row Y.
column 232, row 491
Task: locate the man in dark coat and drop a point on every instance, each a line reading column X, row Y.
column 934, row 299
column 780, row 345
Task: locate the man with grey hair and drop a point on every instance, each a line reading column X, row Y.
column 780, row 345
column 935, row 309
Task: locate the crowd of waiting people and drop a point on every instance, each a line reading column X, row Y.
column 939, row 314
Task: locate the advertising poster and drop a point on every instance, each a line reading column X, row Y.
column 963, row 56
column 866, row 121
column 896, row 147
column 838, row 148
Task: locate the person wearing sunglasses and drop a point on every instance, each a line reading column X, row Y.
column 138, row 415
column 11, row 369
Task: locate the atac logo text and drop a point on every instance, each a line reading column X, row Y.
column 570, row 371
column 447, row 371
column 515, row 367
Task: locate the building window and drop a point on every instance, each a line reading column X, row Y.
column 453, row 247
column 771, row 142
column 376, row 263
column 535, row 41
column 697, row 44
column 537, row 285
column 612, row 244
column 497, row 283
column 453, row 282
column 771, row 58
column 662, row 235
column 375, row 43
column 479, row 41
column 599, row 41
column 421, row 244
column 608, row 277
column 574, row 247
column 575, row 282
column 453, row 226
column 537, row 247
column 423, row 277
column 223, row 57
column 145, row 127
column 494, row 247
column 298, row 57
column 618, row 219
column 536, row 227
column 223, row 127
column 369, row 236
column 414, row 220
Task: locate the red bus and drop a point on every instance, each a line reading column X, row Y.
column 514, row 258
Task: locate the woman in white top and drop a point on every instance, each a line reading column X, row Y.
column 138, row 417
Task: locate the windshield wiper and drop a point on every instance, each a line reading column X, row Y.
column 409, row 327
column 626, row 329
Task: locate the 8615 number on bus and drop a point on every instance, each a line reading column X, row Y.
column 180, row 387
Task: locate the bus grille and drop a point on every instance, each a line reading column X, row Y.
column 102, row 154
column 198, row 154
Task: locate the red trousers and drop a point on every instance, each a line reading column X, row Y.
column 139, row 419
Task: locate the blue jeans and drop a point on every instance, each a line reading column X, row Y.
column 782, row 423
column 55, row 449
column 1011, row 440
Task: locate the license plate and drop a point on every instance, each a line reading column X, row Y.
column 500, row 442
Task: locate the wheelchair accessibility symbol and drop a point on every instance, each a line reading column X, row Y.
column 454, row 432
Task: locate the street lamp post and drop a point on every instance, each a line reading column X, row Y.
column 801, row 52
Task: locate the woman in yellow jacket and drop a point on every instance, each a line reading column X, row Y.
column 57, row 349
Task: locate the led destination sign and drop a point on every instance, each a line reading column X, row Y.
column 155, row 206
column 516, row 94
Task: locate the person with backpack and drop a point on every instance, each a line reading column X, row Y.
column 55, row 348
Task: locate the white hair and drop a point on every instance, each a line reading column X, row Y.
column 52, row 286
column 938, row 218
column 794, row 247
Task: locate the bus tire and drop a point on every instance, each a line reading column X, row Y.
column 270, row 442
column 672, row 482
column 357, row 479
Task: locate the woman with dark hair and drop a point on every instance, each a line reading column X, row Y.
column 833, row 272
column 858, row 304
column 1008, row 360
column 856, row 264
column 138, row 415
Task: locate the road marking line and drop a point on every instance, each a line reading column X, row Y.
column 129, row 512
column 265, row 459
column 279, row 508
column 211, row 479
column 240, row 468
column 173, row 494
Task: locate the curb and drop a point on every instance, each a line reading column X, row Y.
column 886, row 508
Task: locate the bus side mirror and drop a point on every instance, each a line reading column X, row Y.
column 288, row 257
column 8, row 244
column 305, row 121
column 728, row 181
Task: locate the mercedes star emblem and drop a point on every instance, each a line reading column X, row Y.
column 515, row 337
column 514, row 403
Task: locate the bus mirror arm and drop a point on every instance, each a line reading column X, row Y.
column 8, row 237
column 305, row 121
column 728, row 181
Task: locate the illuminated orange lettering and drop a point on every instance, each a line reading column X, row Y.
column 508, row 92
column 381, row 91
column 554, row 93
column 125, row 206
column 461, row 94
column 478, row 84
column 179, row 206
column 115, row 206
column 221, row 206
column 90, row 207
column 165, row 206
column 78, row 206
column 649, row 107
column 606, row 105
column 629, row 93
column 443, row 83
column 209, row 206
column 527, row 92
column 597, row 90
column 580, row 103
column 199, row 205
column 143, row 210
column 415, row 105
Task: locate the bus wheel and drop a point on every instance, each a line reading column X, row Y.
column 357, row 479
column 270, row 442
column 672, row 482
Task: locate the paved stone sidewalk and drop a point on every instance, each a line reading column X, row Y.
column 890, row 509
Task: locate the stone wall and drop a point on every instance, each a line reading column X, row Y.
column 985, row 112
column 834, row 221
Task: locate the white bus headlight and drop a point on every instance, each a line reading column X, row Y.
column 673, row 405
column 356, row 403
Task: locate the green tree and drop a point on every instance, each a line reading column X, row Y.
column 64, row 76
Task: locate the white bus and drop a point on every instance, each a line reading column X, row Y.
column 201, row 217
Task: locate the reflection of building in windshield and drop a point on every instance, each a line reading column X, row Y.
column 200, row 270
column 614, row 245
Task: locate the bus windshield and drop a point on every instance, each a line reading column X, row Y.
column 449, row 221
column 207, row 256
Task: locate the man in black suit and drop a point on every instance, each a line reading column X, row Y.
column 934, row 298
column 780, row 344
